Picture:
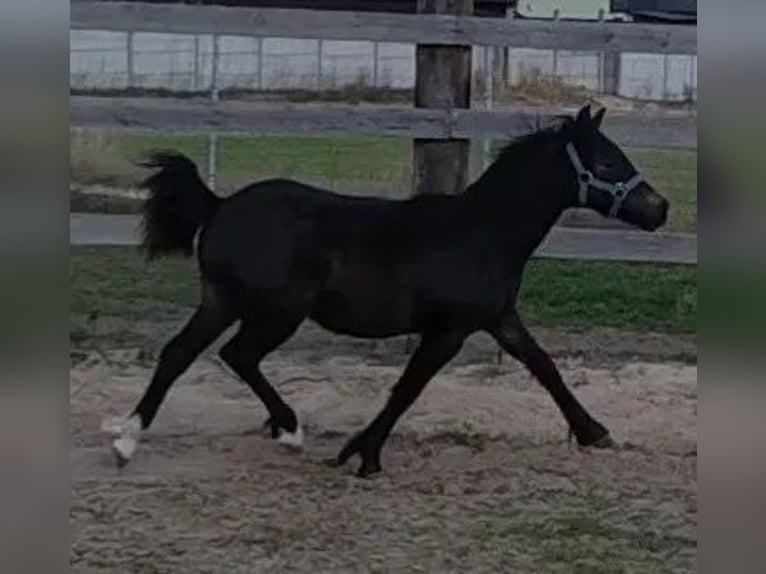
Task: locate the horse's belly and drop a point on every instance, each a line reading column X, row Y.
column 364, row 310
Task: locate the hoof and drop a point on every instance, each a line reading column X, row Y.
column 605, row 441
column 292, row 440
column 369, row 470
column 361, row 445
column 128, row 431
column 594, row 435
column 123, row 449
column 120, row 460
column 270, row 429
column 332, row 463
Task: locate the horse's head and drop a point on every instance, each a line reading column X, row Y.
column 607, row 181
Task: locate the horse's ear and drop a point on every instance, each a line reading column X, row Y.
column 598, row 118
column 583, row 116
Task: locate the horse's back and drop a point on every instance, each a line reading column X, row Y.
column 356, row 265
column 279, row 232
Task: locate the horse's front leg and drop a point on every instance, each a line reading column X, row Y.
column 513, row 337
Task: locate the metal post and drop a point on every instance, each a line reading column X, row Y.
column 129, row 57
column 691, row 78
column 555, row 51
column 196, row 82
column 489, row 94
column 375, row 57
column 665, row 77
column 260, row 63
column 212, row 156
column 214, row 70
column 319, row 64
column 212, row 143
column 510, row 14
column 601, row 79
column 601, row 72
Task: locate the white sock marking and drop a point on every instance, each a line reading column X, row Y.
column 128, row 431
column 291, row 439
column 125, row 447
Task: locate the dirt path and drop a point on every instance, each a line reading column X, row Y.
column 478, row 476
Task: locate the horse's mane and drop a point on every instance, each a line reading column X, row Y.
column 538, row 136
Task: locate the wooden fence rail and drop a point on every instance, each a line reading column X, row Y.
column 204, row 116
column 385, row 27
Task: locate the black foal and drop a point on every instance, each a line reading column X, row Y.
column 278, row 252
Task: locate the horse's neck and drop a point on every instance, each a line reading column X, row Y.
column 521, row 202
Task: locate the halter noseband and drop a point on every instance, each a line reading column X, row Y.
column 586, row 180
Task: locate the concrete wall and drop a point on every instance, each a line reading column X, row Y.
column 99, row 60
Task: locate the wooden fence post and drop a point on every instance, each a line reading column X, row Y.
column 442, row 80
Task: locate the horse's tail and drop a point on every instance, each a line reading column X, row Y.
column 179, row 204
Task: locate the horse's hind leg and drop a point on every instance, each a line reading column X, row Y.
column 435, row 351
column 244, row 353
column 209, row 320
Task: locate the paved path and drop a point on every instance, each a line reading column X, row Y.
column 561, row 243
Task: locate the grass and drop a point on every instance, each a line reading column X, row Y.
column 348, row 163
column 329, row 159
column 573, row 544
column 640, row 297
column 114, row 286
column 674, row 174
column 350, row 94
column 542, row 89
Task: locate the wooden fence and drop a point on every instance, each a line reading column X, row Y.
column 442, row 29
column 440, row 122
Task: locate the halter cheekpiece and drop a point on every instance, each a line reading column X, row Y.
column 618, row 190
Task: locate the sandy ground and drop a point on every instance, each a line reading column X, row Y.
column 478, row 476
